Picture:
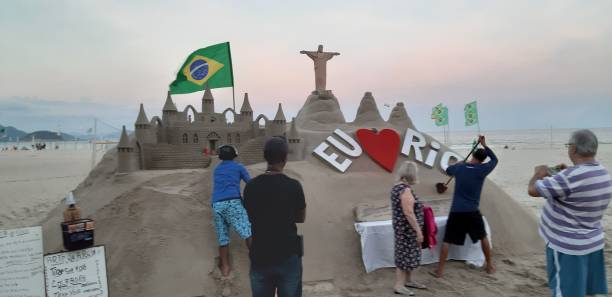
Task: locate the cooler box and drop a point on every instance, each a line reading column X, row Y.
column 78, row 234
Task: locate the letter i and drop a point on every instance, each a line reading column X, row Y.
column 433, row 152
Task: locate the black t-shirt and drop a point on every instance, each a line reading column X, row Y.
column 273, row 202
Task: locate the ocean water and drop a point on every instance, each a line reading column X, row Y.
column 532, row 139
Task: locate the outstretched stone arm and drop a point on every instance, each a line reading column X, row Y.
column 312, row 55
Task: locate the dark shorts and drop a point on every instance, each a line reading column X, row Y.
column 460, row 224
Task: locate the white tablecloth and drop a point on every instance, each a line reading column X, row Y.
column 377, row 245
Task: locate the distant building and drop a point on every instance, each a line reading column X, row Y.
column 181, row 139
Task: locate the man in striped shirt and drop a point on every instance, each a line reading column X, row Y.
column 576, row 199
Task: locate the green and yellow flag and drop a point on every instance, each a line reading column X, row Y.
column 439, row 114
column 471, row 114
column 210, row 66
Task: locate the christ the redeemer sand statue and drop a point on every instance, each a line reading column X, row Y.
column 320, row 59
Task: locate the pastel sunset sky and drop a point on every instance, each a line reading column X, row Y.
column 530, row 64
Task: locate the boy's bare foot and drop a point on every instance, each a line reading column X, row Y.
column 225, row 270
column 490, row 269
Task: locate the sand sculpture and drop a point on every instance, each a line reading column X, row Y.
column 180, row 139
column 320, row 59
column 160, row 238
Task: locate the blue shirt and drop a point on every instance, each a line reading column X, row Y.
column 469, row 179
column 227, row 178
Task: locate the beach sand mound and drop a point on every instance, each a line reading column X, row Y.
column 158, row 231
column 320, row 109
column 367, row 111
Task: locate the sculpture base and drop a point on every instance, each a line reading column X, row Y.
column 323, row 94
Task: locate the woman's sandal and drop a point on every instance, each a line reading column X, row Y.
column 403, row 291
column 415, row 285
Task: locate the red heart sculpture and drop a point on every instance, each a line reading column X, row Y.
column 383, row 147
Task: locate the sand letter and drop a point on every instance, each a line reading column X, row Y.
column 433, row 152
column 446, row 158
column 332, row 158
column 355, row 152
column 409, row 143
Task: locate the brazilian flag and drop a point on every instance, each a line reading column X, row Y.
column 210, row 66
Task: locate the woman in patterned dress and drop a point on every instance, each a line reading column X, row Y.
column 407, row 228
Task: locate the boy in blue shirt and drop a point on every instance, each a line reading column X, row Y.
column 465, row 217
column 227, row 204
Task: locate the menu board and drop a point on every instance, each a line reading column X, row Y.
column 21, row 263
column 80, row 273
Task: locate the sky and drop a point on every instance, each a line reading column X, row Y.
column 529, row 64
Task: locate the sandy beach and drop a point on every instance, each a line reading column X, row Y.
column 33, row 182
column 181, row 196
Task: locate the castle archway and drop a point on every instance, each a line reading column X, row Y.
column 156, row 121
column 191, row 113
column 232, row 115
column 213, row 142
column 262, row 121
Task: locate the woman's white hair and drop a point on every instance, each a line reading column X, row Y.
column 408, row 172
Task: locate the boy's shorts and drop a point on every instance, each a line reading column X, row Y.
column 230, row 212
column 460, row 224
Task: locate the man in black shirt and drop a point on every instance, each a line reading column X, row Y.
column 275, row 203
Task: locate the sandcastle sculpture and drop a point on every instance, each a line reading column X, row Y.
column 180, row 140
column 140, row 240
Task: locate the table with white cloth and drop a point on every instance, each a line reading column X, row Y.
column 378, row 252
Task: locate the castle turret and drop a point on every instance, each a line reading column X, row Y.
column 208, row 102
column 125, row 153
column 296, row 143
column 246, row 112
column 169, row 112
column 144, row 133
column 278, row 125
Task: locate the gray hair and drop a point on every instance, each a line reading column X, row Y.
column 585, row 142
column 408, row 172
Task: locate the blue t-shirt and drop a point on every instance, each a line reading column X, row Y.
column 469, row 179
column 226, row 180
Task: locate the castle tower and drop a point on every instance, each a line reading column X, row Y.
column 278, row 125
column 246, row 112
column 208, row 102
column 125, row 153
column 169, row 112
column 296, row 144
column 144, row 132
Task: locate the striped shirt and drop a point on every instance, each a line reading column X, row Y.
column 576, row 199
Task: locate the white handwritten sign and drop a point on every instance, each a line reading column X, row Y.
column 79, row 273
column 21, row 263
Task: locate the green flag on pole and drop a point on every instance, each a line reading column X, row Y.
column 471, row 114
column 439, row 114
column 210, row 66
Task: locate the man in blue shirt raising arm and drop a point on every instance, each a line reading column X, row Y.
column 465, row 217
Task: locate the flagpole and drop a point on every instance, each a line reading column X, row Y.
column 232, row 73
column 233, row 98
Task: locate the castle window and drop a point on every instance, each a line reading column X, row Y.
column 229, row 138
column 237, row 138
column 185, row 138
column 195, row 138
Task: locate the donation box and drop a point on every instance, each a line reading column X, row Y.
column 78, row 234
